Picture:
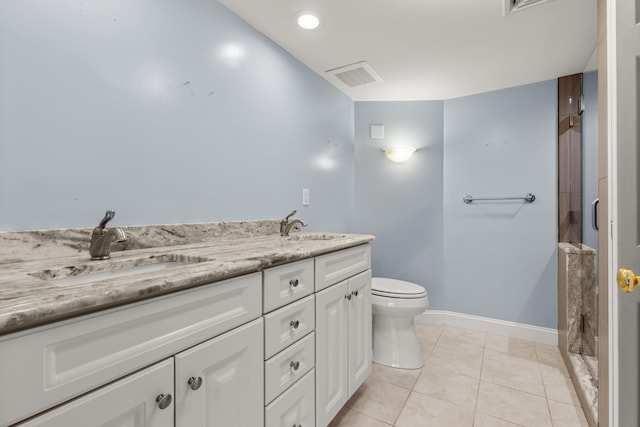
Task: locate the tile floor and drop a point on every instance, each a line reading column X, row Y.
column 469, row 379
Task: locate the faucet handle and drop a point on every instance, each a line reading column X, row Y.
column 108, row 216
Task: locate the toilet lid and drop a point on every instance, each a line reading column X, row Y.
column 393, row 288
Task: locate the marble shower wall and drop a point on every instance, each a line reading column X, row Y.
column 577, row 310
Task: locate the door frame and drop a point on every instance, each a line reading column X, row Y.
column 612, row 169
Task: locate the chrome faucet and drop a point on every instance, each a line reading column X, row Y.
column 286, row 225
column 102, row 238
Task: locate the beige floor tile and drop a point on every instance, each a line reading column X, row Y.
column 470, row 337
column 426, row 347
column 545, row 348
column 429, row 332
column 461, row 343
column 512, row 405
column 483, row 420
column 523, row 362
column 550, row 361
column 379, row 399
column 565, row 415
column 455, row 361
column 513, row 375
column 498, row 346
column 560, row 388
column 448, row 386
column 425, row 411
column 552, row 366
column 347, row 417
column 405, row 378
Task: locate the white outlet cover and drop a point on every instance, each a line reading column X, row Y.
column 305, row 197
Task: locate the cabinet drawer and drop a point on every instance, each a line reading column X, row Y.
column 130, row 401
column 337, row 266
column 287, row 283
column 286, row 367
column 287, row 325
column 57, row 363
column 295, row 406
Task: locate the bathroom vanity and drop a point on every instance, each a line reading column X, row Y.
column 248, row 331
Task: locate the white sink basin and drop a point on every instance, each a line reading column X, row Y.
column 96, row 271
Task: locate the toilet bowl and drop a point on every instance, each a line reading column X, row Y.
column 395, row 304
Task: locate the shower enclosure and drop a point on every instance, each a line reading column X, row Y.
column 577, row 235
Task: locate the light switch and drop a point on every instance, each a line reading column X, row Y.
column 305, row 197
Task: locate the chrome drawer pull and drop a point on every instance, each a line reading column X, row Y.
column 163, row 401
column 195, row 383
column 348, row 296
column 294, row 283
column 294, row 324
column 354, row 293
column 295, row 365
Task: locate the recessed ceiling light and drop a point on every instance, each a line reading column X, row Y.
column 308, row 21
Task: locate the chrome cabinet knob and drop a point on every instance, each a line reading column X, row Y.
column 348, row 296
column 294, row 283
column 294, row 324
column 295, row 365
column 163, row 401
column 195, row 383
column 297, row 425
column 354, row 293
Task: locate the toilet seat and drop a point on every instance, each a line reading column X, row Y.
column 392, row 288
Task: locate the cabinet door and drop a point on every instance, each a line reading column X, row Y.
column 332, row 332
column 129, row 402
column 227, row 380
column 360, row 350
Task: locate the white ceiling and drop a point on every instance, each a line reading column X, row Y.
column 432, row 49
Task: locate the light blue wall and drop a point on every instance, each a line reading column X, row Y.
column 401, row 204
column 174, row 112
column 493, row 260
column 589, row 156
column 500, row 258
column 166, row 111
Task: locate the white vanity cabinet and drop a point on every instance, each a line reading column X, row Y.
column 214, row 386
column 289, row 345
column 48, row 366
column 343, row 331
column 129, row 402
column 218, row 382
column 279, row 348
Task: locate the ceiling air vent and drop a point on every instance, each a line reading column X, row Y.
column 358, row 74
column 516, row 5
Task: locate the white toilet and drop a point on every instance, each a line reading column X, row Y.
column 395, row 304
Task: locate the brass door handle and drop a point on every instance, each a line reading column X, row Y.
column 627, row 280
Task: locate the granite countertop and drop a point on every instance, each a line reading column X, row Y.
column 28, row 300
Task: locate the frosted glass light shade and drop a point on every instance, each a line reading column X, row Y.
column 399, row 154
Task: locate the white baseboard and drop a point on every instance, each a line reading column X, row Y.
column 493, row 326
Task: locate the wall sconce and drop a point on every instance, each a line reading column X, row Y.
column 399, row 154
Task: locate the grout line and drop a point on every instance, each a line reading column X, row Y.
column 395, row 420
column 367, row 415
column 475, row 408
